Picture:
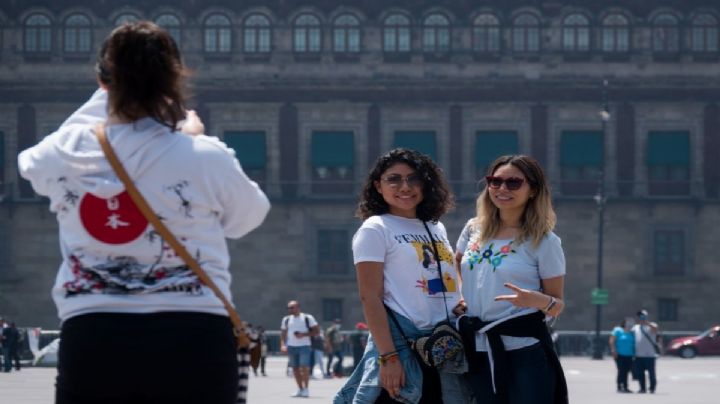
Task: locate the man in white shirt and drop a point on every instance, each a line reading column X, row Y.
column 295, row 332
column 646, row 350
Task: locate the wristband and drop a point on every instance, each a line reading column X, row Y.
column 550, row 305
column 388, row 357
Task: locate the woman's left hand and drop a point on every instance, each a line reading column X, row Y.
column 523, row 297
column 460, row 308
column 193, row 125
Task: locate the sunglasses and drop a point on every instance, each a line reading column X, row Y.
column 512, row 183
column 396, row 180
column 292, row 307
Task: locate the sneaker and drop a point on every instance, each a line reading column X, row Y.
column 642, row 391
column 298, row 393
column 305, row 393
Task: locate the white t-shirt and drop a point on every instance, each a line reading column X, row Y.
column 113, row 260
column 643, row 345
column 486, row 268
column 297, row 323
column 412, row 286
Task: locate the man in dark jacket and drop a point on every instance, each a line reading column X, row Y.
column 10, row 342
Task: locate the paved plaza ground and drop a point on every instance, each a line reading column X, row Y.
column 694, row 381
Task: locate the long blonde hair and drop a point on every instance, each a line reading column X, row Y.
column 537, row 220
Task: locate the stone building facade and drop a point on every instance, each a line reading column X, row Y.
column 310, row 92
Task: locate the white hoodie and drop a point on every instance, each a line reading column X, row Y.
column 113, row 260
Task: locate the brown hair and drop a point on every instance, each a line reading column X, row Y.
column 140, row 65
column 537, row 220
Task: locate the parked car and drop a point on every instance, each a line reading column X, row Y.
column 707, row 343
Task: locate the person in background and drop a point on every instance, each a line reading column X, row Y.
column 358, row 340
column 622, row 349
column 317, row 343
column 122, row 294
column 647, row 349
column 262, row 337
column 295, row 331
column 10, row 344
column 255, row 348
column 334, row 348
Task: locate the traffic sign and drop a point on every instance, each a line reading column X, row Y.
column 599, row 296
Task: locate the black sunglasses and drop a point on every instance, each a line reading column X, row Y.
column 512, row 183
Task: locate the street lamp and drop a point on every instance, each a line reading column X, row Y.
column 600, row 200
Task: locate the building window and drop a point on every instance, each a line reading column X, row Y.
column 486, row 34
column 489, row 145
column 581, row 159
column 576, row 33
column 526, row 33
column 704, row 33
column 396, row 34
column 218, row 34
column 668, row 161
column 665, row 34
column 436, row 33
column 421, row 141
column 126, row 18
column 333, row 252
column 332, row 160
column 332, row 309
column 306, row 34
column 346, row 34
column 171, row 24
column 38, row 34
column 668, row 309
column 669, row 252
column 76, row 37
column 615, row 33
column 251, row 151
column 257, row 34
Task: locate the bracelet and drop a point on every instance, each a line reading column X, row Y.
column 550, row 305
column 388, row 357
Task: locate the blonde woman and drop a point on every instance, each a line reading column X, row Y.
column 513, row 269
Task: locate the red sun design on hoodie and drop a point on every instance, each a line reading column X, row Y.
column 115, row 220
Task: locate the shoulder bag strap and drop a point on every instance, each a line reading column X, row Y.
column 653, row 343
column 437, row 261
column 142, row 205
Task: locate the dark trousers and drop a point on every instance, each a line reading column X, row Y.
column 10, row 354
column 641, row 366
column 531, row 379
column 337, row 369
column 624, row 366
column 168, row 358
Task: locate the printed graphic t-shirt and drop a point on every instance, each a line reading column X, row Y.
column 412, row 285
column 487, row 267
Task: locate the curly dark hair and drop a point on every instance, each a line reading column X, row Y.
column 437, row 197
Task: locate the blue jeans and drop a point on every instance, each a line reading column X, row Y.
column 642, row 365
column 363, row 386
column 531, row 379
column 299, row 356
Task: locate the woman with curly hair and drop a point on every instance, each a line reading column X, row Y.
column 401, row 204
column 513, row 271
